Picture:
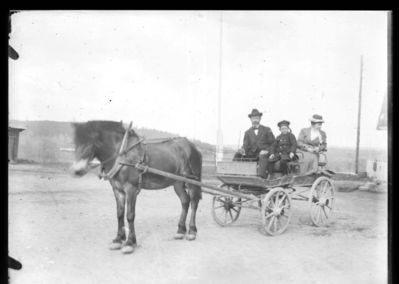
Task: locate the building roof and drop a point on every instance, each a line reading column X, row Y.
column 17, row 128
column 17, row 124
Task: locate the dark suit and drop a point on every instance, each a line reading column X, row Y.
column 253, row 144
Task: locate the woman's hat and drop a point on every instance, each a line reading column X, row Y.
column 255, row 112
column 282, row 123
column 316, row 118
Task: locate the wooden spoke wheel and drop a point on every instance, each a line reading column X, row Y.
column 321, row 201
column 226, row 209
column 276, row 211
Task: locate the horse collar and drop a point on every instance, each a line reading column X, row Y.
column 119, row 156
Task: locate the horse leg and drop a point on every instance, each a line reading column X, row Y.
column 120, row 209
column 131, row 194
column 185, row 203
column 195, row 196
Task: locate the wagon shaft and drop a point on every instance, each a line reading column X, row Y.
column 211, row 189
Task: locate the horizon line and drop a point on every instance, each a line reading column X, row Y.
column 193, row 138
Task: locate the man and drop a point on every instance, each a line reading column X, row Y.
column 257, row 143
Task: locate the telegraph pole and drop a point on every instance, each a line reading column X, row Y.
column 219, row 147
column 358, row 116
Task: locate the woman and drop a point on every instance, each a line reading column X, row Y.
column 312, row 142
column 283, row 148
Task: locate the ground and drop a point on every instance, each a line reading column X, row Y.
column 60, row 228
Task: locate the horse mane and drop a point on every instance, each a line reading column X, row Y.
column 87, row 131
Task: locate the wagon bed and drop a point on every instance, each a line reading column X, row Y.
column 238, row 181
column 244, row 175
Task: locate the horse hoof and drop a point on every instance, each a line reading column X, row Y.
column 115, row 246
column 179, row 236
column 191, row 237
column 127, row 249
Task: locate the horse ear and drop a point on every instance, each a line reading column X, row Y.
column 127, row 126
column 131, row 131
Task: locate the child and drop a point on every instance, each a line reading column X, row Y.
column 283, row 148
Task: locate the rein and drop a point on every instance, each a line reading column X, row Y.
column 142, row 140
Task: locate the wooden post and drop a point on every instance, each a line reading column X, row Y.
column 219, row 148
column 239, row 141
column 358, row 117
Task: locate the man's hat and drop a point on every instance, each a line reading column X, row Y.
column 283, row 122
column 317, row 118
column 255, row 112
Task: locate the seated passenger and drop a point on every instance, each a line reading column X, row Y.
column 312, row 143
column 257, row 142
column 283, row 149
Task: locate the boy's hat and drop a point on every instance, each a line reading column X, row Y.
column 283, row 122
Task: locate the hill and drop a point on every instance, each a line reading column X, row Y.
column 42, row 140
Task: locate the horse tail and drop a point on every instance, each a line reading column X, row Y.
column 194, row 163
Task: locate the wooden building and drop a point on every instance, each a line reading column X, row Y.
column 13, row 141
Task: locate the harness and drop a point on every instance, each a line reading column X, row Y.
column 117, row 165
column 120, row 156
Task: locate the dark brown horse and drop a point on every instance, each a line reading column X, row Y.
column 103, row 139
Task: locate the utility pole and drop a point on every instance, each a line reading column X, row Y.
column 239, row 141
column 358, row 116
column 219, row 147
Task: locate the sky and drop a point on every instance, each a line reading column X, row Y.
column 161, row 69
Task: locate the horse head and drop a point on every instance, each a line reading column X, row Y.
column 94, row 139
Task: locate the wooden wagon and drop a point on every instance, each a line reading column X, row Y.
column 272, row 197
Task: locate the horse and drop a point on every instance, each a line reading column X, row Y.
column 103, row 140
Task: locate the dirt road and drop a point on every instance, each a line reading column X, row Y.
column 60, row 228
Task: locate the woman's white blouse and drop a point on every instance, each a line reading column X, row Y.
column 315, row 134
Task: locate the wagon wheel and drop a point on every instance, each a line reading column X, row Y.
column 276, row 211
column 321, row 201
column 225, row 209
